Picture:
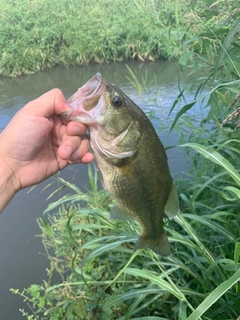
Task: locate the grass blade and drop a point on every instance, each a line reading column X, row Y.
column 184, row 109
column 156, row 280
column 236, row 253
column 216, row 158
column 130, row 295
column 225, row 47
column 181, row 112
column 214, row 296
column 150, row 318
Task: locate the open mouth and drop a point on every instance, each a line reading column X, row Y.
column 85, row 100
column 88, row 95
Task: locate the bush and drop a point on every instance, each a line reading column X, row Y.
column 79, row 32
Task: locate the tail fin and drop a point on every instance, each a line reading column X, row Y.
column 159, row 245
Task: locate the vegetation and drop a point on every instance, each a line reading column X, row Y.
column 99, row 275
column 39, row 34
column 101, row 278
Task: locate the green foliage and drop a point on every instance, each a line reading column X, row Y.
column 100, row 276
column 35, row 35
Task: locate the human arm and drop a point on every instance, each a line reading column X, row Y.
column 37, row 143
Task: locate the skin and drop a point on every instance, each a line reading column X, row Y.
column 37, row 143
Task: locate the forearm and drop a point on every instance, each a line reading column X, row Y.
column 7, row 186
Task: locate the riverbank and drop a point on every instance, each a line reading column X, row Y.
column 36, row 35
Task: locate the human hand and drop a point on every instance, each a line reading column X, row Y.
column 37, row 143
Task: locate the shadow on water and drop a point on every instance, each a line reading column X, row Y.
column 21, row 264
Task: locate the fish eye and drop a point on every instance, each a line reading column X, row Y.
column 117, row 101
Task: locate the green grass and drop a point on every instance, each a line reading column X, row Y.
column 100, row 274
column 80, row 32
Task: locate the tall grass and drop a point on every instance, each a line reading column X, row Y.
column 99, row 274
column 79, row 32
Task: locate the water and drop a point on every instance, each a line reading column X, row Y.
column 22, row 260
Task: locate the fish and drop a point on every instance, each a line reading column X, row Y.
column 131, row 159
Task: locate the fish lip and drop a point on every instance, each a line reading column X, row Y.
column 85, row 101
column 99, row 79
column 90, row 88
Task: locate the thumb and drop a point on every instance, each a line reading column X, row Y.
column 51, row 102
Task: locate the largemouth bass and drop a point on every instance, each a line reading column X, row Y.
column 131, row 159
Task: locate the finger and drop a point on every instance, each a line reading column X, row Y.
column 74, row 148
column 51, row 102
column 87, row 158
column 69, row 146
column 82, row 150
column 76, row 128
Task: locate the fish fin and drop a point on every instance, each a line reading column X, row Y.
column 172, row 206
column 117, row 213
column 158, row 245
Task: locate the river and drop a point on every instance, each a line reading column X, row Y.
column 22, row 260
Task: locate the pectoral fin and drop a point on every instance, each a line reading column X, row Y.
column 172, row 206
column 119, row 214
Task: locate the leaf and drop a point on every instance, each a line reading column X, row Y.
column 102, row 249
column 47, row 228
column 67, row 198
column 215, row 157
column 211, row 224
column 190, row 230
column 236, row 253
column 182, row 111
column 97, row 251
column 119, row 299
column 225, row 46
column 227, row 85
column 33, row 289
column 214, row 296
column 150, row 318
column 233, row 190
column 156, row 280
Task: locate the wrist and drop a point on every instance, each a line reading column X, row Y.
column 8, row 183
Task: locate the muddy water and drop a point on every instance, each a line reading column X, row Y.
column 22, row 259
